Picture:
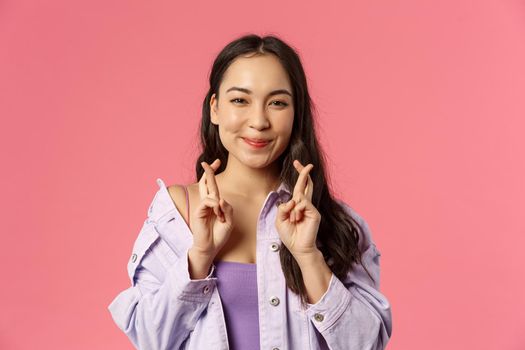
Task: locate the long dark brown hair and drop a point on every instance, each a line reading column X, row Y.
column 338, row 236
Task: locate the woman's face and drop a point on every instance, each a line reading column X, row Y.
column 255, row 102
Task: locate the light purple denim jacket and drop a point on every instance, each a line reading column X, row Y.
column 164, row 309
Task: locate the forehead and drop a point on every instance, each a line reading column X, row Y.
column 258, row 73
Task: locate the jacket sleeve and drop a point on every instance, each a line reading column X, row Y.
column 353, row 314
column 161, row 307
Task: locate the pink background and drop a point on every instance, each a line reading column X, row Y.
column 422, row 116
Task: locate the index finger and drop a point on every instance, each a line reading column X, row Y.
column 309, row 191
column 211, row 183
column 303, row 180
column 203, row 189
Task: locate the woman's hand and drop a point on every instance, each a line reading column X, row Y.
column 212, row 219
column 297, row 220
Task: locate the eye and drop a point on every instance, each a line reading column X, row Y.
column 283, row 104
column 237, row 99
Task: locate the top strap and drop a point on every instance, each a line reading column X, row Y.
column 187, row 204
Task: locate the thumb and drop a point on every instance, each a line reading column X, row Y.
column 284, row 210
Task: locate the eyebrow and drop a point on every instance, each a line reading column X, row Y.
column 274, row 92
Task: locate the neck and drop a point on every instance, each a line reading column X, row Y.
column 244, row 181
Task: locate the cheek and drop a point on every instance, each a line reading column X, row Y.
column 284, row 123
column 230, row 127
column 230, row 121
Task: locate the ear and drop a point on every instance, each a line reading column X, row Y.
column 213, row 110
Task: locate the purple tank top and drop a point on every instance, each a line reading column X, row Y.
column 237, row 286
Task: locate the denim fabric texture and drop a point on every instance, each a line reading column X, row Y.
column 163, row 308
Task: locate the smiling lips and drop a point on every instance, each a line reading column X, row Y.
column 258, row 143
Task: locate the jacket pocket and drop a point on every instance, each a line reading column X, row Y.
column 146, row 238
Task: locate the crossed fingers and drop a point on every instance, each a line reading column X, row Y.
column 208, row 186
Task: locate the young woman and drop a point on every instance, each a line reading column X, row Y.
column 257, row 254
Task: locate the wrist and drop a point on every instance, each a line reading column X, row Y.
column 201, row 255
column 308, row 259
column 198, row 264
column 204, row 254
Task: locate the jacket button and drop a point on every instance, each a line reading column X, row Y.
column 274, row 301
column 206, row 289
column 274, row 247
column 319, row 317
column 134, row 257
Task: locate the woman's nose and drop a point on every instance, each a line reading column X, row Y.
column 259, row 118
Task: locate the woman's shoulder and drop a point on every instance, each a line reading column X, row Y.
column 166, row 198
column 180, row 195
